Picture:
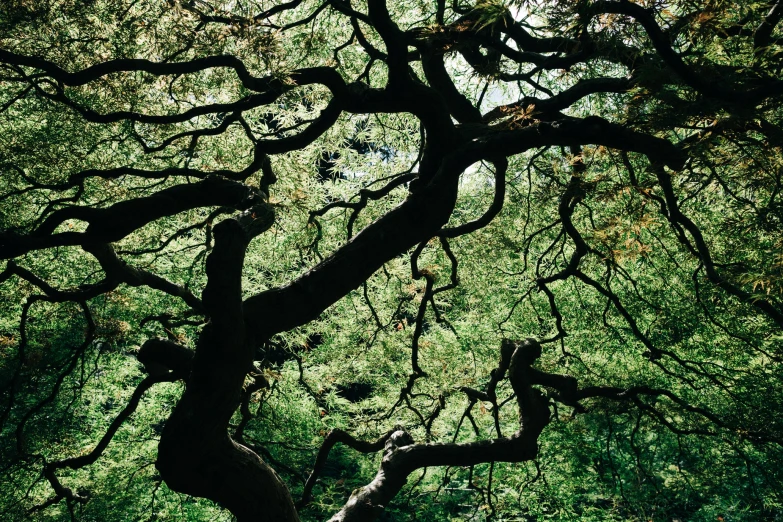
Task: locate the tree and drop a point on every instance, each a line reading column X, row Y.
column 586, row 195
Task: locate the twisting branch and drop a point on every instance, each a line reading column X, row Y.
column 501, row 166
column 662, row 45
column 678, row 219
column 117, row 221
column 402, row 455
column 332, row 438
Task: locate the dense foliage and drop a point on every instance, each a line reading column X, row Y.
column 391, row 259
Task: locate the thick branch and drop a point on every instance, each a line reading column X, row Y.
column 117, row 221
column 572, row 131
column 402, row 456
column 662, row 45
column 501, row 166
column 92, row 73
column 196, row 455
column 417, row 219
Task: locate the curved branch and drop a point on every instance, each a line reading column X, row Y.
column 678, row 219
column 501, row 166
column 402, row 456
column 97, row 71
column 118, row 270
column 563, row 99
column 91, row 457
column 574, row 131
column 117, row 221
column 661, row 43
column 332, row 438
column 81, row 461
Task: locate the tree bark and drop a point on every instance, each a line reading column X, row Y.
column 402, row 456
column 196, row 455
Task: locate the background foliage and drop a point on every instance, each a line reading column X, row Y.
column 652, row 304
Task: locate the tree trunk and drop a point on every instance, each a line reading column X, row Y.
column 196, row 455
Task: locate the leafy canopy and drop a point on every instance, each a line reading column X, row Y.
column 391, row 259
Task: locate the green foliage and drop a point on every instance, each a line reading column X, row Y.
column 645, row 310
